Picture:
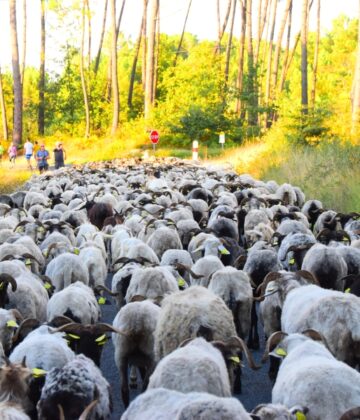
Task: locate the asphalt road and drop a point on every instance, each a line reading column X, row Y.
column 256, row 386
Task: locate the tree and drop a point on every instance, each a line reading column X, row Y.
column 304, row 61
column 316, row 54
column 262, row 14
column 150, row 59
column 41, row 112
column 82, row 70
column 252, row 89
column 182, row 34
column 229, row 44
column 355, row 97
column 3, row 109
column 17, row 85
column 240, row 73
column 221, row 29
column 23, row 60
column 114, row 74
column 98, row 55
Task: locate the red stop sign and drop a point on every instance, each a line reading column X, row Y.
column 154, row 137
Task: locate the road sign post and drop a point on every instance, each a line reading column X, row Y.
column 154, row 137
column 195, row 150
column 222, row 139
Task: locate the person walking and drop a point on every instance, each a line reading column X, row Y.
column 42, row 157
column 28, row 149
column 59, row 155
column 12, row 152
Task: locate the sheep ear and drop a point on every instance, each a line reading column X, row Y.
column 299, row 411
column 205, row 332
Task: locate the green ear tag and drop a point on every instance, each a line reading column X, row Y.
column 223, row 250
column 76, row 251
column 235, row 359
column 101, row 340
column 1, row 285
column 12, row 324
column 27, row 261
column 181, row 282
column 101, row 300
column 300, row 416
column 46, row 253
column 47, row 285
column 292, row 261
column 280, row 352
column 347, row 290
column 75, row 337
column 37, row 373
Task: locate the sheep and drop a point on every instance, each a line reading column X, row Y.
column 334, row 314
column 174, row 257
column 327, row 266
column 8, row 325
column 310, row 375
column 197, row 367
column 278, row 412
column 163, row 239
column 12, row 411
column 92, row 258
column 151, row 283
column 134, row 248
column 163, row 403
column 76, row 301
column 136, row 347
column 203, row 269
column 74, row 387
column 66, row 269
column 234, row 288
column 293, row 249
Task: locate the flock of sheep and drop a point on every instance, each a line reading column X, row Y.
column 196, row 254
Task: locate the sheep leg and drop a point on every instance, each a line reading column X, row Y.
column 273, row 368
column 133, row 377
column 237, row 380
column 124, row 364
column 253, row 341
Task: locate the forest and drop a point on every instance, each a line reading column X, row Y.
column 260, row 82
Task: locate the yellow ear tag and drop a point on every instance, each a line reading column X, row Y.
column 275, row 242
column 46, row 253
column 300, row 416
column 235, row 359
column 1, row 285
column 346, row 239
column 101, row 340
column 37, row 373
column 12, row 324
column 101, row 300
column 27, row 261
column 280, row 352
column 41, row 229
column 292, row 261
column 181, row 282
column 76, row 251
column 347, row 290
column 47, row 285
column 75, row 337
column 223, row 250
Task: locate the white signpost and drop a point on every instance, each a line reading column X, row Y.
column 222, row 139
column 195, row 150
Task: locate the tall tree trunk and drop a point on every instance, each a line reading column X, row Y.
column 150, row 58
column 88, row 15
column 229, row 44
column 266, row 29
column 278, row 45
column 82, row 71
column 157, row 54
column 3, row 110
column 17, row 86
column 304, row 73
column 41, row 114
column 269, row 62
column 262, row 15
column 240, row 74
column 182, row 34
column 114, row 75
column 355, row 96
column 136, row 56
column 144, row 49
column 23, row 59
column 286, row 52
column 98, row 55
column 252, row 89
column 316, row 54
column 221, row 29
column 109, row 75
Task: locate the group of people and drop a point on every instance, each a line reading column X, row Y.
column 40, row 154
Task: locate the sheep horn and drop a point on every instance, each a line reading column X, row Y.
column 106, row 289
column 9, row 279
column 351, row 414
column 17, row 315
column 28, row 322
column 185, row 342
column 315, row 335
column 22, row 223
column 103, row 327
column 272, row 276
column 60, row 320
column 87, row 410
column 137, row 298
column 273, row 341
column 239, row 342
column 30, row 257
column 308, row 276
column 61, row 412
